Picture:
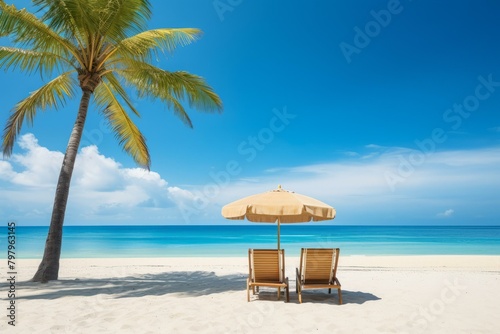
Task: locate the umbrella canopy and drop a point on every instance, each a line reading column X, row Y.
column 279, row 206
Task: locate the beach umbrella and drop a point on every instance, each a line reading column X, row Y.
column 278, row 206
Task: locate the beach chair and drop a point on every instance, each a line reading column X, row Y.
column 267, row 268
column 318, row 270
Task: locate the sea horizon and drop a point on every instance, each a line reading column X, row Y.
column 140, row 241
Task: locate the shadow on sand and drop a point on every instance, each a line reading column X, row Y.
column 188, row 283
column 318, row 296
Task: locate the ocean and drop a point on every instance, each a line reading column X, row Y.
column 234, row 240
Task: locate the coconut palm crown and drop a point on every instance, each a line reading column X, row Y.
column 103, row 49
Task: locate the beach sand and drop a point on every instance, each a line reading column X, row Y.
column 390, row 294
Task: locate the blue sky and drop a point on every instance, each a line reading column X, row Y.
column 387, row 110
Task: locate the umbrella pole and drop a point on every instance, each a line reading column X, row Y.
column 278, row 233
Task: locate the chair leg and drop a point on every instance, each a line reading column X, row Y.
column 287, row 291
column 329, row 291
column 248, row 289
column 340, row 296
column 299, row 288
column 279, row 293
column 297, row 280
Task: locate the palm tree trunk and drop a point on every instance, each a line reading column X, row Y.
column 49, row 267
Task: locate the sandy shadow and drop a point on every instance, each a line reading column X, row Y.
column 317, row 296
column 189, row 283
column 357, row 297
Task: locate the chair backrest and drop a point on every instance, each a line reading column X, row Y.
column 319, row 265
column 266, row 265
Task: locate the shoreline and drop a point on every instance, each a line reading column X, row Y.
column 72, row 268
column 242, row 253
column 389, row 261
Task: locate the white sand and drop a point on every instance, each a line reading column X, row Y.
column 404, row 294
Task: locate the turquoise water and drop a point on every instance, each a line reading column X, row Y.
column 234, row 240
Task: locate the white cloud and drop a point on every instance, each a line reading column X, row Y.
column 395, row 186
column 6, row 171
column 446, row 213
column 370, row 155
column 374, row 146
column 420, row 185
column 41, row 166
column 96, row 172
column 351, row 154
column 101, row 188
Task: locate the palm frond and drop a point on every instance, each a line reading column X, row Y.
column 121, row 18
column 27, row 30
column 69, row 17
column 107, row 18
column 29, row 60
column 52, row 94
column 171, row 87
column 146, row 87
column 194, row 88
column 129, row 136
column 145, row 45
column 116, row 87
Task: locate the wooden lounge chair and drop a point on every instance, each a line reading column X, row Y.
column 267, row 268
column 318, row 270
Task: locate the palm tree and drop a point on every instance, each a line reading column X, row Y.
column 102, row 47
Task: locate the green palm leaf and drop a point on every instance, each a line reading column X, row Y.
column 113, row 19
column 146, row 44
column 29, row 60
column 26, row 29
column 52, row 94
column 129, row 136
column 118, row 89
column 171, row 88
column 67, row 17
